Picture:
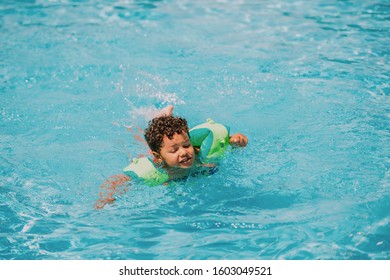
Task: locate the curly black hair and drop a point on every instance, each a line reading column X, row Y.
column 160, row 126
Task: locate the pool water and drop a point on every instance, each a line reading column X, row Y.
column 306, row 81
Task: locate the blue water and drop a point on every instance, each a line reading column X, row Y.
column 306, row 81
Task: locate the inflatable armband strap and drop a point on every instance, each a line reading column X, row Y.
column 145, row 169
column 212, row 138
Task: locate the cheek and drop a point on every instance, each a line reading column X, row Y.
column 169, row 157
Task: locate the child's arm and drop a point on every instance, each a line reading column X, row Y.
column 115, row 184
column 238, row 140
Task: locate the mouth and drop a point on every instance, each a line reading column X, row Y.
column 186, row 161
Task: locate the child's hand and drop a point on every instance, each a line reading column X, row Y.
column 167, row 111
column 238, row 140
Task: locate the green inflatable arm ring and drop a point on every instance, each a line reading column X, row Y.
column 212, row 138
column 145, row 169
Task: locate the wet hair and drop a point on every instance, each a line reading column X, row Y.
column 163, row 126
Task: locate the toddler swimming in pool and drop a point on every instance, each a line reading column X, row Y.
column 168, row 139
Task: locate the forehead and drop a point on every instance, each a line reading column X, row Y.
column 176, row 139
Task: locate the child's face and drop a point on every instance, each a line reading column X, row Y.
column 178, row 151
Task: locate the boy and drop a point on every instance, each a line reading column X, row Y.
column 168, row 139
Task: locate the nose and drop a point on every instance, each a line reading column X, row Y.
column 183, row 152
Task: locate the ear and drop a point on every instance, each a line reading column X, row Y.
column 158, row 158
